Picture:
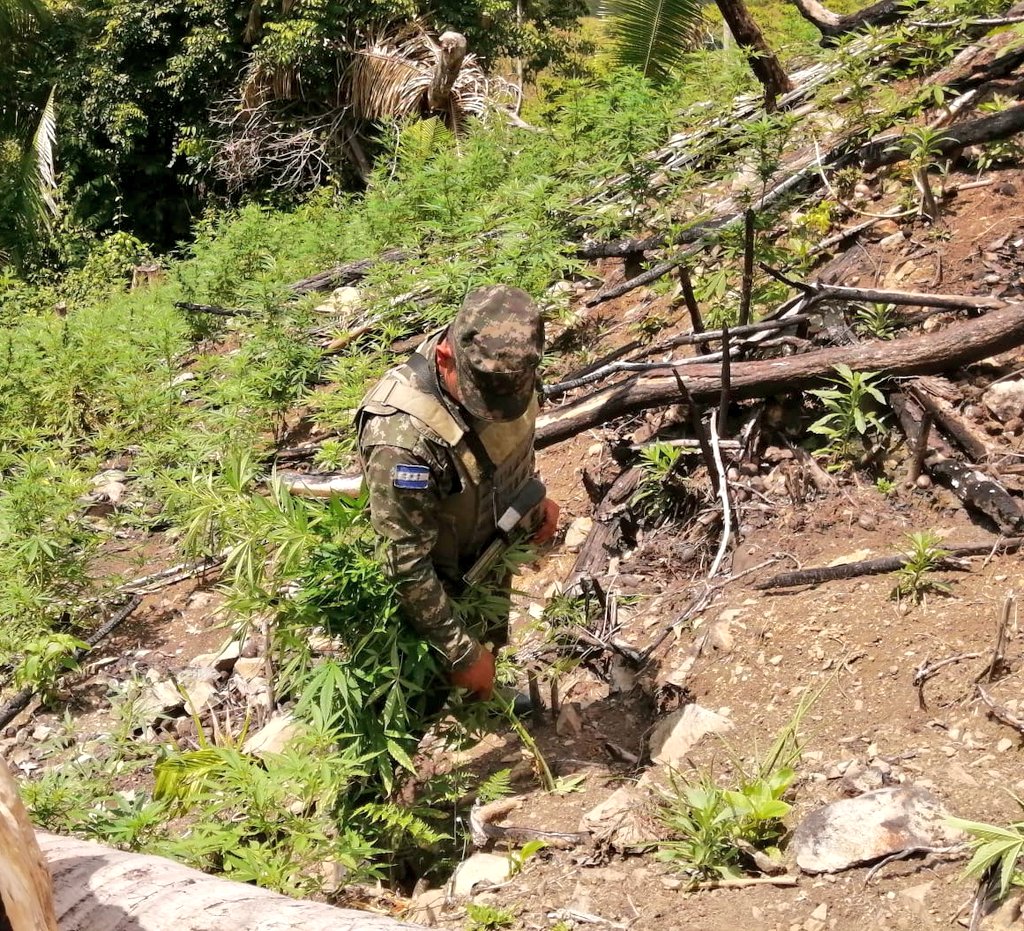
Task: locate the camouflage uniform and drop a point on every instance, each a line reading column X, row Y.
column 440, row 477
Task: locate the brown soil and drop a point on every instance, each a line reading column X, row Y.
column 848, row 643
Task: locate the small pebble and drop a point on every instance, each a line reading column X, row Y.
column 1004, row 745
column 923, row 481
column 866, row 522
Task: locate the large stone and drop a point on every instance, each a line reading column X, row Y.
column 577, row 533
column 678, row 733
column 223, row 660
column 625, row 821
column 248, row 668
column 871, row 826
column 481, row 868
column 201, row 695
column 1008, row 915
column 425, row 907
column 1005, row 399
column 274, row 736
column 570, row 720
column 161, row 700
column 343, row 300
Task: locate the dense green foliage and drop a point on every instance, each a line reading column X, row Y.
column 96, row 375
column 145, row 92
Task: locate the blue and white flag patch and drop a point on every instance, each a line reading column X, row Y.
column 415, row 477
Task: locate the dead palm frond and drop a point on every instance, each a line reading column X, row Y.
column 44, row 144
column 389, row 80
column 19, row 16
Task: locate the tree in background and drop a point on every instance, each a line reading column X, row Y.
column 148, row 92
column 28, row 185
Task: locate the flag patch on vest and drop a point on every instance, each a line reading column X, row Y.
column 416, row 477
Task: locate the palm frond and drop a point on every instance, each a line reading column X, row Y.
column 17, row 16
column 388, row 80
column 653, row 35
column 44, row 144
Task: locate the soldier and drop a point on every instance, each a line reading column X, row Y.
column 446, row 442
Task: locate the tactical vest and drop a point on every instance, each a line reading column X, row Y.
column 489, row 478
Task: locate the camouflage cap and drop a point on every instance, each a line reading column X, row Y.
column 497, row 339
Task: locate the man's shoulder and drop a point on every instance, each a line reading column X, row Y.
column 391, row 428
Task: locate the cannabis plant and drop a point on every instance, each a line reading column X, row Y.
column 996, row 849
column 850, row 421
column 915, row 579
column 662, row 489
column 878, row 321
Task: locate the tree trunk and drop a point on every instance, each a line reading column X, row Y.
column 766, row 67
column 927, row 354
column 100, row 889
column 885, row 150
column 832, row 24
column 26, row 901
column 453, row 50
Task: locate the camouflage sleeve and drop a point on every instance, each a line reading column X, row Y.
column 406, row 519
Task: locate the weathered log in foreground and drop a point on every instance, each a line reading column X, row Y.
column 926, row 354
column 100, row 889
column 26, row 899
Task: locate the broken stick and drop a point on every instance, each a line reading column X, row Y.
column 880, row 566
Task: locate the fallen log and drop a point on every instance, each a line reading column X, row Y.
column 886, row 150
column 321, row 484
column 922, row 354
column 974, row 488
column 883, row 150
column 604, row 535
column 970, row 437
column 97, row 888
column 349, row 272
column 881, row 565
column 833, row 292
column 26, row 896
column 831, row 24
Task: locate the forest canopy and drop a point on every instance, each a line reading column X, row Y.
column 137, row 101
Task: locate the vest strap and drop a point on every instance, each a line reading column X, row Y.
column 426, row 381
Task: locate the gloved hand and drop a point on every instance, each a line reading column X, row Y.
column 549, row 524
column 478, row 677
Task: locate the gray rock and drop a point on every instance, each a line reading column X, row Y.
column 481, row 868
column 223, row 660
column 577, row 533
column 871, row 826
column 1007, row 916
column 570, row 720
column 625, row 821
column 274, row 736
column 678, row 733
column 1005, row 399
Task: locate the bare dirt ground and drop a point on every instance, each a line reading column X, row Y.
column 848, row 643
